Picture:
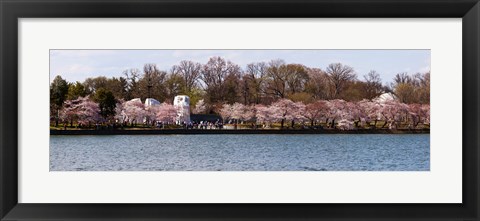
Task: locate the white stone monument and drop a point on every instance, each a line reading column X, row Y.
column 151, row 102
column 385, row 97
column 182, row 103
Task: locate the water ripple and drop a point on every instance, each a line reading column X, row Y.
column 332, row 152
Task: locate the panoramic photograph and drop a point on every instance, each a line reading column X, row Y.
column 239, row 110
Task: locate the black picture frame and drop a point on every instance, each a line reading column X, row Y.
column 11, row 10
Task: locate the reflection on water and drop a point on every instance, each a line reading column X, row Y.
column 318, row 152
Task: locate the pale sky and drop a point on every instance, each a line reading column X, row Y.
column 77, row 65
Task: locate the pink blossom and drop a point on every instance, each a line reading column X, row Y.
column 315, row 111
column 226, row 112
column 134, row 110
column 166, row 113
column 83, row 110
column 419, row 113
column 200, row 107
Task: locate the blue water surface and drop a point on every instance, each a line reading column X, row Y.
column 311, row 152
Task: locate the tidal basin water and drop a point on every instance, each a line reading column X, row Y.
column 312, row 152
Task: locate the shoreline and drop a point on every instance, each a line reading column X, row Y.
column 231, row 131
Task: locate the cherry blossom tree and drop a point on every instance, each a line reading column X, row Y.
column 265, row 114
column 88, row 111
column 426, row 118
column 225, row 112
column 166, row 113
column 200, row 107
column 298, row 113
column 151, row 114
column 384, row 112
column 402, row 114
column 358, row 112
column 134, row 111
column 249, row 113
column 370, row 111
column 83, row 110
column 70, row 111
column 120, row 116
column 285, row 110
column 238, row 110
column 392, row 113
column 337, row 111
column 314, row 111
column 346, row 114
column 419, row 114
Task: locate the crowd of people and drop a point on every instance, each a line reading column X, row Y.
column 205, row 125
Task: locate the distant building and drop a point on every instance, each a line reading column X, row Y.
column 182, row 103
column 385, row 97
column 151, row 102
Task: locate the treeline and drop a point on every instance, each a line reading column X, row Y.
column 220, row 81
column 337, row 113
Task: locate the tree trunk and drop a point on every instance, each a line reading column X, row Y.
column 281, row 124
column 415, row 123
column 385, row 124
column 311, row 123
